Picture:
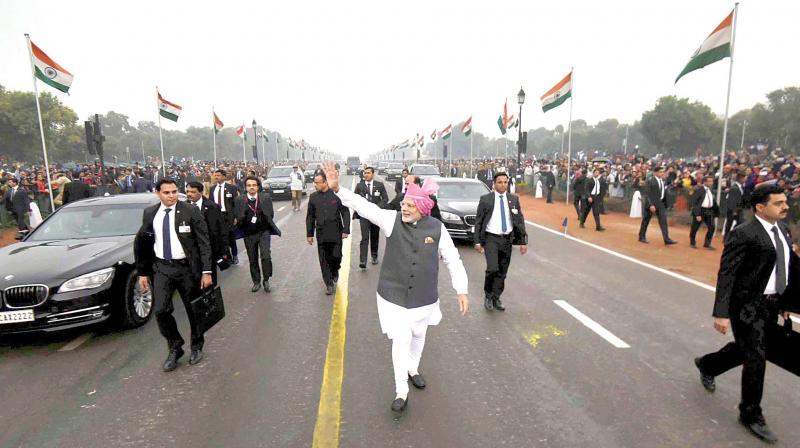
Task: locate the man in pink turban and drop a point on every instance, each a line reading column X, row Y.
column 407, row 296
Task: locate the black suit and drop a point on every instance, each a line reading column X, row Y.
column 142, row 185
column 497, row 248
column 217, row 233
column 227, row 196
column 549, row 181
column 578, row 184
column 169, row 276
column 651, row 196
column 706, row 214
column 328, row 218
column 748, row 260
column 734, row 204
column 398, row 185
column 370, row 233
column 257, row 236
column 596, row 199
column 75, row 191
column 19, row 205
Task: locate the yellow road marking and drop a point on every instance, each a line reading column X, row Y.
column 329, row 414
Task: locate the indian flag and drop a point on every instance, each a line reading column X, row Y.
column 512, row 122
column 466, row 128
column 48, row 71
column 168, row 110
column 240, row 132
column 421, row 141
column 218, row 125
column 558, row 94
column 445, row 134
column 434, row 134
column 716, row 46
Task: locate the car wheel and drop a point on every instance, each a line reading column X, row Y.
column 138, row 306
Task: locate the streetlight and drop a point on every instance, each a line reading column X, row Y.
column 521, row 101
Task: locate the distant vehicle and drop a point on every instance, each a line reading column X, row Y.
column 394, row 171
column 311, row 168
column 458, row 202
column 76, row 268
column 423, row 171
column 353, row 165
column 280, row 183
column 381, row 168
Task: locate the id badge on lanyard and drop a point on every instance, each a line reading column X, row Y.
column 254, row 219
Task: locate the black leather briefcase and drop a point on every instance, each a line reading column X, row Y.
column 208, row 309
column 783, row 347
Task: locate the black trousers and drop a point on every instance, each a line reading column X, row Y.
column 330, row 259
column 707, row 216
column 497, row 251
column 21, row 219
column 593, row 207
column 228, row 217
column 578, row 206
column 755, row 333
column 549, row 194
column 661, row 213
column 370, row 234
column 731, row 216
column 258, row 249
column 168, row 278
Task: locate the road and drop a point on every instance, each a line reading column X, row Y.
column 534, row 375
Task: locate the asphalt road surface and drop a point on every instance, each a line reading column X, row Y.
column 534, row 375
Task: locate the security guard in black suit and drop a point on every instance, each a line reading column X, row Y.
column 253, row 214
column 592, row 198
column 217, row 230
column 18, row 203
column 704, row 210
column 654, row 201
column 330, row 220
column 499, row 225
column 734, row 203
column 577, row 189
column 374, row 192
column 173, row 248
column 224, row 195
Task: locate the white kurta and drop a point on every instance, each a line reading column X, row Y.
column 636, row 205
column 395, row 318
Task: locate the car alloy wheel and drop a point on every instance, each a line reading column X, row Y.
column 142, row 301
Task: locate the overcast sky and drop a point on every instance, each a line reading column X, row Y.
column 355, row 77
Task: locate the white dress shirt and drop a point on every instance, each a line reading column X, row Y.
column 661, row 187
column 175, row 243
column 215, row 193
column 771, row 287
column 495, row 225
column 708, row 201
column 596, row 187
column 199, row 204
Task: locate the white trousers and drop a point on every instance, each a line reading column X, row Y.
column 407, row 348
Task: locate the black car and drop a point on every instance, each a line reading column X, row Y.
column 394, row 171
column 310, row 170
column 76, row 268
column 458, row 202
column 353, row 165
column 424, row 171
column 280, row 182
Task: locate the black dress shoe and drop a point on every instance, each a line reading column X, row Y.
column 488, row 304
column 670, row 242
column 708, row 246
column 705, row 379
column 328, row 290
column 760, row 429
column 600, row 229
column 362, row 266
column 399, row 405
column 255, row 287
column 235, row 260
column 336, row 277
column 582, row 226
column 693, row 245
column 196, row 356
column 498, row 305
column 643, row 240
column 172, row 359
column 418, row 381
column 266, row 286
column 374, row 260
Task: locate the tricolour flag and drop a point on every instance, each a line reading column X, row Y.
column 716, row 46
column 466, row 128
column 240, row 132
column 168, row 110
column 403, row 145
column 446, row 132
column 558, row 94
column 501, row 124
column 513, row 122
column 434, row 134
column 506, row 119
column 218, row 125
column 48, row 71
column 421, row 141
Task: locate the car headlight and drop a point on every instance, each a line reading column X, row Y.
column 451, row 217
column 87, row 281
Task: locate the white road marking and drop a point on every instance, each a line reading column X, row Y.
column 77, row 342
column 628, row 258
column 594, row 326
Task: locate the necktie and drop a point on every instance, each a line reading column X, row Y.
column 167, row 246
column 219, row 195
column 780, row 262
column 503, row 224
column 660, row 188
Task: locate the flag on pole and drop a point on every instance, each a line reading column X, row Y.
column 403, row 145
column 240, row 132
column 501, row 124
column 446, row 132
column 506, row 119
column 421, row 141
column 48, row 70
column 512, row 122
column 466, row 128
column 716, row 46
column 433, row 135
column 558, row 94
column 218, row 125
column 168, row 110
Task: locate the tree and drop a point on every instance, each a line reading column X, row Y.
column 677, row 127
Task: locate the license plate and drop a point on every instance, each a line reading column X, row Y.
column 277, row 191
column 10, row 317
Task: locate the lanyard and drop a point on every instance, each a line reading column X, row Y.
column 253, row 209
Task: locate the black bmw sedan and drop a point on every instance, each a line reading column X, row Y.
column 458, row 202
column 77, row 268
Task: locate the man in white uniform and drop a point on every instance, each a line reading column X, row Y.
column 407, row 296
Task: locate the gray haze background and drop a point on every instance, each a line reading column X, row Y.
column 354, row 77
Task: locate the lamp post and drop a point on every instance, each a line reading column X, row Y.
column 255, row 141
column 521, row 101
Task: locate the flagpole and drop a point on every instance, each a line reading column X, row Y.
column 263, row 150
column 244, row 149
column 569, row 136
column 471, row 136
column 160, row 137
column 214, row 133
column 41, row 126
column 727, row 104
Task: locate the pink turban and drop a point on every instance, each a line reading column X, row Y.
column 422, row 196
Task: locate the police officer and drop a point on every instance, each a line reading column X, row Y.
column 173, row 248
column 331, row 221
column 217, row 229
column 253, row 214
